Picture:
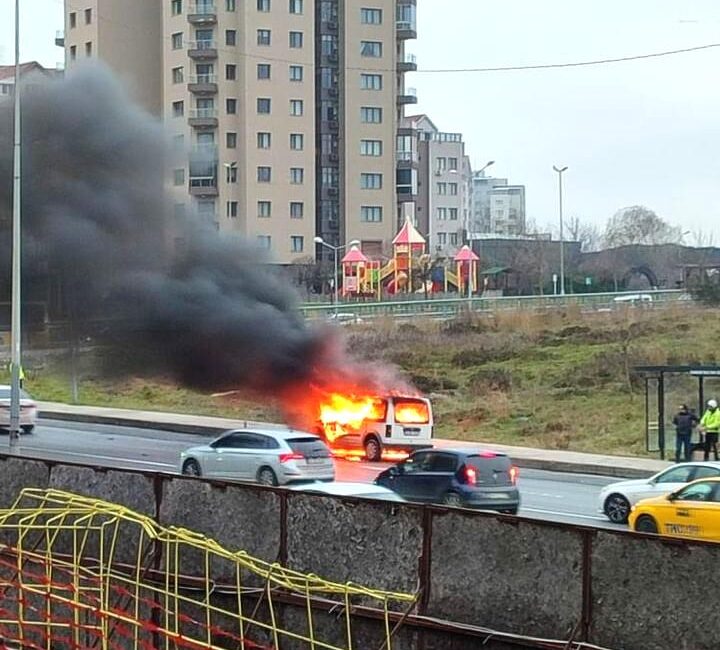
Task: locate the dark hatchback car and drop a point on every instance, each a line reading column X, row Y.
column 466, row 478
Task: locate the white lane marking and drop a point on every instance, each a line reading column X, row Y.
column 96, row 457
column 562, row 514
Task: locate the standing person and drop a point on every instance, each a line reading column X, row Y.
column 684, row 421
column 710, row 425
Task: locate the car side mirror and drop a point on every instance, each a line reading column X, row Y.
column 672, row 496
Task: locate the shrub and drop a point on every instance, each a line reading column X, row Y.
column 490, row 379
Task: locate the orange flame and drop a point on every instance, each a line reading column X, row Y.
column 343, row 414
column 411, row 411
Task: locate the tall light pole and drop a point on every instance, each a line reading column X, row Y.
column 336, row 250
column 562, row 235
column 15, row 320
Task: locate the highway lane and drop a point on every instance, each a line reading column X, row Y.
column 555, row 496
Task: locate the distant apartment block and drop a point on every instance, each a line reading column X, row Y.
column 434, row 183
column 497, row 207
column 284, row 113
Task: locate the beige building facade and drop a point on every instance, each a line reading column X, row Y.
column 283, row 113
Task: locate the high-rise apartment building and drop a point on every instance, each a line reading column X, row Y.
column 498, row 208
column 283, row 112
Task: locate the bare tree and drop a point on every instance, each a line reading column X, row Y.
column 586, row 233
column 639, row 225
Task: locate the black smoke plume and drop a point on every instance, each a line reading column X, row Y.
column 94, row 225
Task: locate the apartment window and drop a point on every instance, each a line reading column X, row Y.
column 88, row 16
column 371, row 115
column 177, row 41
column 231, row 174
column 297, row 176
column 264, row 174
column 371, row 49
column 371, row 81
column 296, row 73
column 371, row 147
column 296, row 6
column 177, row 75
column 263, row 5
column 297, row 210
column 442, row 188
column 329, row 176
column 453, row 164
column 371, row 16
column 328, row 45
column 230, row 5
column 453, row 214
column 230, row 37
column 231, row 140
column 263, row 105
column 175, row 7
column 453, row 188
column 73, row 20
column 88, row 49
column 296, row 107
column 73, row 52
column 263, row 71
column 371, row 213
column 263, row 37
column 453, row 239
column 230, row 72
column 296, row 39
column 178, row 142
column 178, row 109
column 231, row 106
column 442, row 214
column 441, row 164
column 263, row 140
column 179, row 177
column 264, row 209
column 265, row 242
column 442, row 238
column 297, row 141
column 231, row 209
column 297, row 243
column 371, row 181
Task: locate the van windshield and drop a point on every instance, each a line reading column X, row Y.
column 411, row 411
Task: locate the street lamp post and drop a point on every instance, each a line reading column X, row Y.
column 562, row 236
column 15, row 335
column 336, row 250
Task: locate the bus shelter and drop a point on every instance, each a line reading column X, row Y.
column 666, row 387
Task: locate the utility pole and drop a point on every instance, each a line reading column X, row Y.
column 562, row 236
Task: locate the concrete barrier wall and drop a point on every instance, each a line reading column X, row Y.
column 611, row 588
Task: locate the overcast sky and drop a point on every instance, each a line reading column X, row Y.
column 641, row 132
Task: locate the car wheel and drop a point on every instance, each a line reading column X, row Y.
column 191, row 468
column 646, row 524
column 266, row 476
column 617, row 508
column 373, row 451
column 28, row 428
column 452, row 499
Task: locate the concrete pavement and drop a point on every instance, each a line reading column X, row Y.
column 545, row 459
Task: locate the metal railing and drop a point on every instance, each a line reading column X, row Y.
column 203, row 113
column 202, row 8
column 203, row 181
column 409, row 58
column 449, row 307
column 203, row 79
column 202, row 45
column 407, row 156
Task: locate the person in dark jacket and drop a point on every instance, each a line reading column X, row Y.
column 685, row 421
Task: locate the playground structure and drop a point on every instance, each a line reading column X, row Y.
column 77, row 572
column 366, row 278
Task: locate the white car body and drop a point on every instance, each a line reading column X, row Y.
column 664, row 482
column 350, row 489
column 28, row 409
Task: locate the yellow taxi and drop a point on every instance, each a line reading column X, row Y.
column 693, row 511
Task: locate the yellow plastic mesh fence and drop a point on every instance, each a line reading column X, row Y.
column 82, row 573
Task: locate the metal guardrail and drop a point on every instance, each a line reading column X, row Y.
column 448, row 307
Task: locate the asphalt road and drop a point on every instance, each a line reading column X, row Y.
column 555, row 496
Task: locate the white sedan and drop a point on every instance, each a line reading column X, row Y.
column 616, row 499
column 28, row 410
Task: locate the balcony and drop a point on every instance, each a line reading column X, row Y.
column 60, row 38
column 202, row 50
column 407, row 96
column 203, row 84
column 406, row 29
column 406, row 158
column 204, row 153
column 407, row 63
column 202, row 13
column 203, row 118
column 203, row 186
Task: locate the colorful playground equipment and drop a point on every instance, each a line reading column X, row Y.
column 366, row 278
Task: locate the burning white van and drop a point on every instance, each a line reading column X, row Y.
column 376, row 427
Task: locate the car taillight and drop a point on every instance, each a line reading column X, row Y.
column 470, row 475
column 513, row 474
column 284, row 458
